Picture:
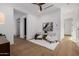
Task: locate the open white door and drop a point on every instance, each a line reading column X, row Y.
column 22, row 27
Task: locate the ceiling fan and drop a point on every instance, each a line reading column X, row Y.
column 41, row 4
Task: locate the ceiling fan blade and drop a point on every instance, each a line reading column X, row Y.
column 40, row 8
column 39, row 3
column 48, row 6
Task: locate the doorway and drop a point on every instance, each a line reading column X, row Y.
column 68, row 27
column 25, row 27
column 18, row 27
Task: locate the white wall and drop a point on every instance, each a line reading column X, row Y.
column 55, row 18
column 34, row 24
column 61, row 25
column 8, row 27
column 17, row 14
column 77, row 29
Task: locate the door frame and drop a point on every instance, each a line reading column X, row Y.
column 70, row 20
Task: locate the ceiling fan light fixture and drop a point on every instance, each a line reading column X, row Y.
column 39, row 11
column 40, row 5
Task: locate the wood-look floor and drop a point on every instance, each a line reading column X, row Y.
column 25, row 48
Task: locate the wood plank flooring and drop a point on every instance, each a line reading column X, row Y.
column 67, row 48
column 25, row 48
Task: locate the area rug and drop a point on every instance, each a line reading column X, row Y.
column 51, row 46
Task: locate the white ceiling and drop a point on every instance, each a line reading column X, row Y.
column 34, row 9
